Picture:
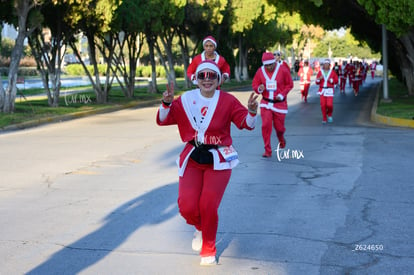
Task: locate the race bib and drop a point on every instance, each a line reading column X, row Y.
column 271, row 85
column 228, row 152
column 328, row 92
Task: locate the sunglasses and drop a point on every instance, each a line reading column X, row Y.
column 207, row 75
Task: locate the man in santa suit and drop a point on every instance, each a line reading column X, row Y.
column 209, row 53
column 273, row 81
column 278, row 57
column 305, row 73
column 326, row 79
column 373, row 67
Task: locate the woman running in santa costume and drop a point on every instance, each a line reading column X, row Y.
column 204, row 117
column 209, row 53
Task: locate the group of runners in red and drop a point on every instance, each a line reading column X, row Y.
column 204, row 116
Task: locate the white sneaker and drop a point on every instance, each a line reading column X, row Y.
column 209, row 260
column 197, row 241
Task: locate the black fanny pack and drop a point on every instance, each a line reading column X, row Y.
column 273, row 100
column 201, row 154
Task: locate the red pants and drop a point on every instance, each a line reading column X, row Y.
column 326, row 106
column 351, row 79
column 305, row 90
column 372, row 74
column 269, row 119
column 200, row 191
column 342, row 83
column 356, row 84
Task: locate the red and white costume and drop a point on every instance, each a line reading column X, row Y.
column 219, row 60
column 273, row 105
column 326, row 81
column 358, row 78
column 201, row 186
column 373, row 67
column 350, row 72
column 342, row 78
column 305, row 73
column 316, row 66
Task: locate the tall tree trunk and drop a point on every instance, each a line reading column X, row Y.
column 241, row 71
column 152, row 87
column 8, row 96
column 182, row 41
column 101, row 94
column 407, row 67
column 167, row 44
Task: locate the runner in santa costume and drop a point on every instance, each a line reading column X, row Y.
column 305, row 73
column 204, row 118
column 326, row 79
column 358, row 77
column 209, row 53
column 316, row 66
column 279, row 60
column 273, row 81
column 350, row 72
column 342, row 76
column 373, row 67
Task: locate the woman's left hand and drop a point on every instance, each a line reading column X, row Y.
column 252, row 104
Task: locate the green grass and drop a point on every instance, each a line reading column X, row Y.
column 401, row 106
column 34, row 109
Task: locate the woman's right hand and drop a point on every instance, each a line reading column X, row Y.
column 168, row 95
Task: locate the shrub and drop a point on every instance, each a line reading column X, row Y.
column 179, row 71
column 77, row 69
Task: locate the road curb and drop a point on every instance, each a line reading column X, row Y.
column 60, row 118
column 386, row 120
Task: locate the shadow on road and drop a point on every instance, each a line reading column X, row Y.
column 153, row 207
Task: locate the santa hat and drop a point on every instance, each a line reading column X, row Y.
column 211, row 65
column 211, row 39
column 268, row 58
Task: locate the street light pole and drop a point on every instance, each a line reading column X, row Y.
column 385, row 64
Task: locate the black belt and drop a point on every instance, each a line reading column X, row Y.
column 201, row 154
column 202, row 145
column 273, row 100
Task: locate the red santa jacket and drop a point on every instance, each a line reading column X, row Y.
column 220, row 61
column 305, row 73
column 326, row 82
column 342, row 72
column 224, row 110
column 284, row 84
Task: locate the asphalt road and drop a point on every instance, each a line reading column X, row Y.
column 97, row 195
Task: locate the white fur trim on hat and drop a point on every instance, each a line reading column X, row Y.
column 268, row 58
column 267, row 62
column 211, row 39
column 208, row 65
